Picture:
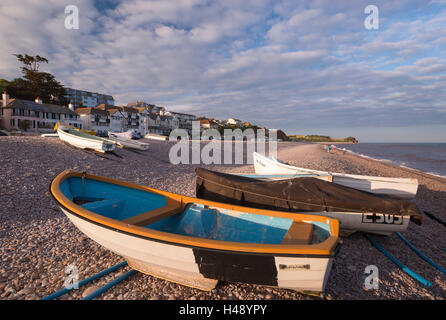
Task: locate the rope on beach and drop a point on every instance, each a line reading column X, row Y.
column 418, row 252
column 398, row 263
column 434, row 217
column 85, row 281
column 112, row 283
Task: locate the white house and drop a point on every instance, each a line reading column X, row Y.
column 117, row 120
column 154, row 124
column 184, row 119
column 34, row 116
column 234, row 122
column 95, row 119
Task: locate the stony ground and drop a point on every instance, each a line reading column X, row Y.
column 37, row 242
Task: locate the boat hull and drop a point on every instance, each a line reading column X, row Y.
column 401, row 188
column 155, row 137
column 375, row 223
column 128, row 143
column 85, row 143
column 201, row 268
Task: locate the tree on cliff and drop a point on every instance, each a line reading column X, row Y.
column 36, row 83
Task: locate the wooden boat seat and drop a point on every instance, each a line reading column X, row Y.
column 146, row 218
column 299, row 233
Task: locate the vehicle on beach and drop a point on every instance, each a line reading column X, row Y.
column 356, row 210
column 127, row 142
column 271, row 168
column 82, row 140
column 197, row 242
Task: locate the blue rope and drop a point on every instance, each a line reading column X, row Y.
column 399, row 264
column 418, row 252
column 112, row 283
column 85, row 281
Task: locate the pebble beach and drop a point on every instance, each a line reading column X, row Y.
column 37, row 241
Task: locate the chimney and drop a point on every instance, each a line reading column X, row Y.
column 71, row 106
column 38, row 100
column 5, row 99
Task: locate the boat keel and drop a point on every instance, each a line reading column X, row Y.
column 172, row 275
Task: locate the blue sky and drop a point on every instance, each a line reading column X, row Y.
column 303, row 66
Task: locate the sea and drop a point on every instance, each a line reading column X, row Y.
column 427, row 157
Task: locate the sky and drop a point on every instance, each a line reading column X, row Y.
column 306, row 67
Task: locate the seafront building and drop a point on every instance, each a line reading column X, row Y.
column 144, row 118
column 81, row 98
column 35, row 116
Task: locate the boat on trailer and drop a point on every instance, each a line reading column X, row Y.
column 127, row 142
column 356, row 210
column 270, row 168
column 83, row 140
column 197, row 242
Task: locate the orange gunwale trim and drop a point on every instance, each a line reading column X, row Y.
column 325, row 248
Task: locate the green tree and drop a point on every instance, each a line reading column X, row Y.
column 25, row 125
column 4, row 85
column 36, row 83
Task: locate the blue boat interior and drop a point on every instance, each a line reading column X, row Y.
column 120, row 203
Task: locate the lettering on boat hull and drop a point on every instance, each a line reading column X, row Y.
column 382, row 218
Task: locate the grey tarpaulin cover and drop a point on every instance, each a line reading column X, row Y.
column 297, row 195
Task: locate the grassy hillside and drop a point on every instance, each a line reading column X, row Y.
column 318, row 138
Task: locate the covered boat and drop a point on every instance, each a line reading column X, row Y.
column 127, row 142
column 83, row 140
column 272, row 168
column 198, row 242
column 355, row 210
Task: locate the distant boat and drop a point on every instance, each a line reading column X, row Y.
column 49, row 135
column 129, row 134
column 155, row 136
column 196, row 242
column 127, row 142
column 272, row 168
column 356, row 210
column 83, row 140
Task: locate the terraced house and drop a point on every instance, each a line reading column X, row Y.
column 35, row 116
column 95, row 119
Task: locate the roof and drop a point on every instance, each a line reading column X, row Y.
column 141, row 109
column 113, row 111
column 94, row 111
column 127, row 109
column 183, row 114
column 104, row 106
column 44, row 107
